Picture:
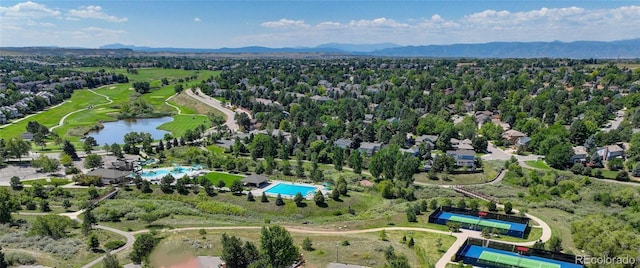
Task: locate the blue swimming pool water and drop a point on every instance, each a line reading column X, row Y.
column 178, row 172
column 290, row 189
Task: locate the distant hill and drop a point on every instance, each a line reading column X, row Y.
column 250, row 49
column 578, row 49
column 359, row 47
column 623, row 49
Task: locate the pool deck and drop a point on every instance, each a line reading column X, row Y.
column 258, row 191
column 191, row 173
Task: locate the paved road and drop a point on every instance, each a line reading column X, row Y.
column 216, row 104
column 615, row 123
column 130, row 240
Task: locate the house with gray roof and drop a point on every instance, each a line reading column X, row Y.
column 343, row 143
column 369, row 148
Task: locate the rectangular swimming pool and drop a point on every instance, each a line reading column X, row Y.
column 287, row 189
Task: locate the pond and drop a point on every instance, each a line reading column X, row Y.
column 113, row 132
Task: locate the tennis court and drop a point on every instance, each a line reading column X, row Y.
column 490, row 257
column 477, row 221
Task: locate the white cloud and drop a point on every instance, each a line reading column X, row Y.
column 93, row 12
column 378, row 23
column 28, row 10
column 284, row 23
column 543, row 24
column 196, row 19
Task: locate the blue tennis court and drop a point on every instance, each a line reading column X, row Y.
column 490, row 223
column 490, row 257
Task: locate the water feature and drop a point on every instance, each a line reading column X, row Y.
column 289, row 190
column 113, row 132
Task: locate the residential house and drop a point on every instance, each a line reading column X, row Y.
column 343, row 143
column 110, row 176
column 461, row 144
column 464, row 158
column 512, row 136
column 320, row 98
column 428, row 140
column 369, row 148
column 610, row 152
column 368, row 118
column 503, row 125
column 579, row 155
column 413, row 150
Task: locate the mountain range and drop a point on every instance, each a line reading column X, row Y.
column 623, row 49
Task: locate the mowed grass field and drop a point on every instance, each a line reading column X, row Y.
column 182, row 122
column 78, row 123
column 215, row 177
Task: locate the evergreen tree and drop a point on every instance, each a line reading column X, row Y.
column 279, row 200
column 69, row 149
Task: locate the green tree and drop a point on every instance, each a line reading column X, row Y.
column 433, row 204
column 479, row 144
column 93, row 161
column 299, row 164
column 92, row 242
column 46, row 164
column 559, row 155
column 386, row 189
column 411, row 242
column 491, row 131
column 66, row 204
column 277, row 247
column 335, row 194
column 355, row 161
column 142, row 247
column 88, row 144
column 88, row 221
column 298, row 199
column 15, row 183
column 405, row 167
column 250, row 197
column 233, row 252
column 66, row 160
column 17, row 147
column 54, row 226
column 236, row 187
column 7, row 205
column 338, row 158
column 264, row 198
column 165, row 184
column 411, row 214
column 491, row 206
column 318, row 198
column 44, row 205
column 307, row 244
column 508, row 207
column 69, row 149
column 279, row 200
column 382, row 235
column 110, row 261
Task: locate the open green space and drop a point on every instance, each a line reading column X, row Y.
column 101, row 110
column 539, row 164
column 215, row 177
column 183, row 122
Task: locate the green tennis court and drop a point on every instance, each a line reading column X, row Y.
column 515, row 261
column 485, row 223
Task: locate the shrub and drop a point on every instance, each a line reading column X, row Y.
column 111, row 245
column 19, row 258
column 215, row 207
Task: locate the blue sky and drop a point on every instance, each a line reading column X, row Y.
column 215, row 24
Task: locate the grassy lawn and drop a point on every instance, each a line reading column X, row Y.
column 215, row 177
column 539, row 164
column 363, row 249
column 182, row 122
column 79, row 100
column 77, row 124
